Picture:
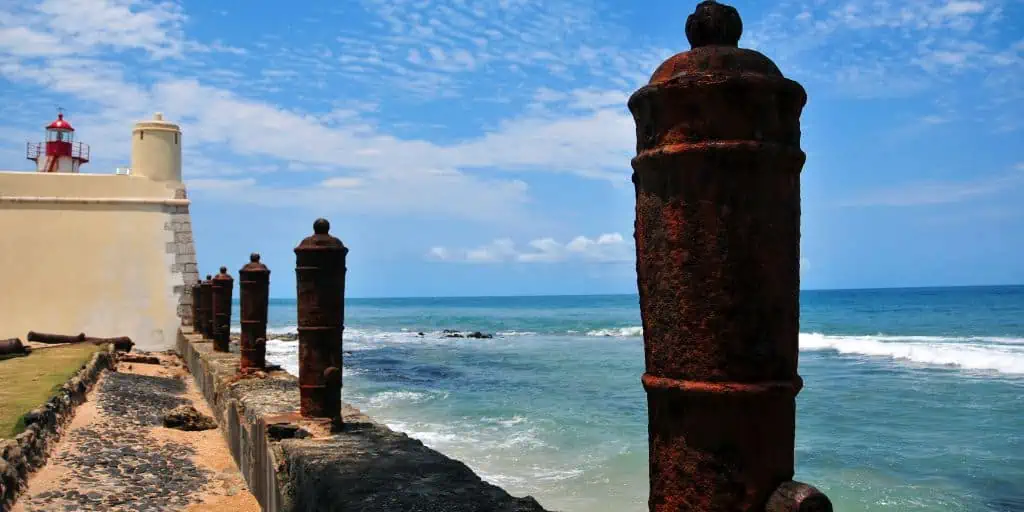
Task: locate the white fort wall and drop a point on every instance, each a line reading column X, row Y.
column 106, row 255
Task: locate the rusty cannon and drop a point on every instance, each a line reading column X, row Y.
column 195, row 290
column 13, row 347
column 121, row 343
column 254, row 298
column 717, row 178
column 221, row 287
column 320, row 282
column 206, row 307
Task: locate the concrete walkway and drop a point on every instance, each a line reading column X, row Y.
column 116, row 455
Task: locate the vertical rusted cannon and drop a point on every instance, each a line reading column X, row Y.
column 254, row 295
column 196, row 297
column 320, row 280
column 206, row 312
column 717, row 177
column 223, row 285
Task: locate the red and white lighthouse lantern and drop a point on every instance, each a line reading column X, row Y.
column 60, row 152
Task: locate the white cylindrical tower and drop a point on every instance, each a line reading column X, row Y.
column 156, row 149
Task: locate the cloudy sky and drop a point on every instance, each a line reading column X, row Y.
column 482, row 147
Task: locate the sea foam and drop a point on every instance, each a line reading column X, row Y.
column 1003, row 355
column 978, row 353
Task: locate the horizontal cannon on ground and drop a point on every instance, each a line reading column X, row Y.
column 13, row 347
column 122, row 343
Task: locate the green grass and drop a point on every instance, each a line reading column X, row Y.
column 28, row 382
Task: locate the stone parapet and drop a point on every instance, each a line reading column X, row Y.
column 294, row 464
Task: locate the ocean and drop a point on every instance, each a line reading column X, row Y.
column 914, row 398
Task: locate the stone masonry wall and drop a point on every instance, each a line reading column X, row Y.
column 296, row 465
column 182, row 253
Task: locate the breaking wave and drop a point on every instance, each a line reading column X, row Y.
column 981, row 353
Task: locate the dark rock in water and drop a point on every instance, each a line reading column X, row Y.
column 419, row 334
column 186, row 417
column 449, row 333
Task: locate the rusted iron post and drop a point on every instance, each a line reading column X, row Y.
column 320, row 280
column 206, row 301
column 254, row 295
column 223, row 285
column 196, row 295
column 717, row 177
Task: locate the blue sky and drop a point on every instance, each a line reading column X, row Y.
column 482, row 147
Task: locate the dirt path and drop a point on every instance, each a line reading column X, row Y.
column 117, row 456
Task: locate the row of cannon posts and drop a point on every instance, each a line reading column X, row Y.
column 320, row 282
column 717, row 231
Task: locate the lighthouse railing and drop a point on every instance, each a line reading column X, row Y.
column 33, row 150
column 80, row 151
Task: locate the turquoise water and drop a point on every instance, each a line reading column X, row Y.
column 914, row 399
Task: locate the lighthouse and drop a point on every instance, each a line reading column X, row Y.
column 60, row 152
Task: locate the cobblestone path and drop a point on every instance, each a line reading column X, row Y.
column 117, row 456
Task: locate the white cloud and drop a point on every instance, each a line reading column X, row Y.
column 940, row 192
column 934, row 119
column 361, row 166
column 887, row 48
column 496, row 251
column 241, row 145
column 606, row 248
column 64, row 27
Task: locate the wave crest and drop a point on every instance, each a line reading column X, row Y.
column 1003, row 355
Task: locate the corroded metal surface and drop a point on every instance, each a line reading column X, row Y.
column 122, row 343
column 194, row 290
column 798, row 497
column 48, row 338
column 12, row 346
column 206, row 307
column 222, row 285
column 254, row 297
column 717, row 177
column 320, row 280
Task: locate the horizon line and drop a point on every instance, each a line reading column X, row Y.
column 887, row 288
